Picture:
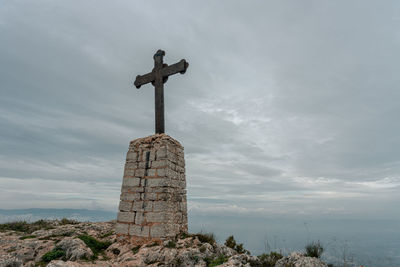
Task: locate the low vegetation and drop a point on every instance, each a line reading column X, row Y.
column 269, row 260
column 56, row 253
column 26, row 227
column 171, row 244
column 216, row 261
column 314, row 249
column 107, row 234
column 65, row 221
column 136, row 249
column 95, row 245
column 231, row 243
column 206, row 237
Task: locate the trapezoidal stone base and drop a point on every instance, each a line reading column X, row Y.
column 153, row 195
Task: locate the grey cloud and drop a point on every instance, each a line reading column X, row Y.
column 275, row 91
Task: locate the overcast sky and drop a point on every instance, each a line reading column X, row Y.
column 288, row 107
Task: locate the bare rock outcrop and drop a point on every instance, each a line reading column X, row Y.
column 299, row 260
column 75, row 249
column 95, row 244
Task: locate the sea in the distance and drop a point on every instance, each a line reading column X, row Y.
column 347, row 242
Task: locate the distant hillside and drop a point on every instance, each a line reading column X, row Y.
column 36, row 214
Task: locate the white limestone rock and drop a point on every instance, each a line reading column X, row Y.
column 75, row 249
column 298, row 260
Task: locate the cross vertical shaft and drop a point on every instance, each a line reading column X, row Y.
column 159, row 93
column 158, row 76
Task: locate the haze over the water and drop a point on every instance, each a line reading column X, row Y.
column 288, row 108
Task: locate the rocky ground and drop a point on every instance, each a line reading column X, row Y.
column 68, row 243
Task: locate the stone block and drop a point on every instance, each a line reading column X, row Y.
column 142, row 165
column 153, row 155
column 138, row 230
column 122, row 228
column 133, row 189
column 158, row 217
column 164, row 206
column 172, row 157
column 183, row 206
column 129, row 173
column 149, row 196
column 130, row 196
column 131, row 165
column 125, row 206
column 134, row 181
column 131, row 156
column 142, row 206
column 159, row 163
column 171, row 174
column 161, row 172
column 162, row 153
column 139, row 218
column 158, row 230
column 127, row 217
column 151, row 172
column 157, row 182
column 139, row 173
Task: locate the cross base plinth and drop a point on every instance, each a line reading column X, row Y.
column 153, row 196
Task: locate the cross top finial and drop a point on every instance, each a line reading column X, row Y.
column 158, row 76
column 159, row 53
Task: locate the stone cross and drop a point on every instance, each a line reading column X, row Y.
column 158, row 76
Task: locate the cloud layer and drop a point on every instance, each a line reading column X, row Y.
column 285, row 108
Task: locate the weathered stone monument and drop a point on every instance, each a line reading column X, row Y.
column 153, row 195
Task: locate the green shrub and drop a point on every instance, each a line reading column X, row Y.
column 206, row 238
column 216, row 261
column 171, row 244
column 136, row 249
column 95, row 245
column 269, row 260
column 315, row 249
column 231, row 243
column 25, row 227
column 65, row 221
column 107, row 234
column 54, row 254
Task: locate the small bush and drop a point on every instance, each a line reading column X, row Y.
column 315, row 249
column 136, row 249
column 95, row 245
column 206, row 238
column 171, row 244
column 184, row 235
column 65, row 221
column 107, row 234
column 269, row 260
column 231, row 243
column 54, row 254
column 216, row 261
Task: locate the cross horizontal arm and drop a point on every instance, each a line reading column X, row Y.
column 180, row 67
column 143, row 79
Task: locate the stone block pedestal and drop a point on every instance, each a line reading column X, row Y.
column 153, row 195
